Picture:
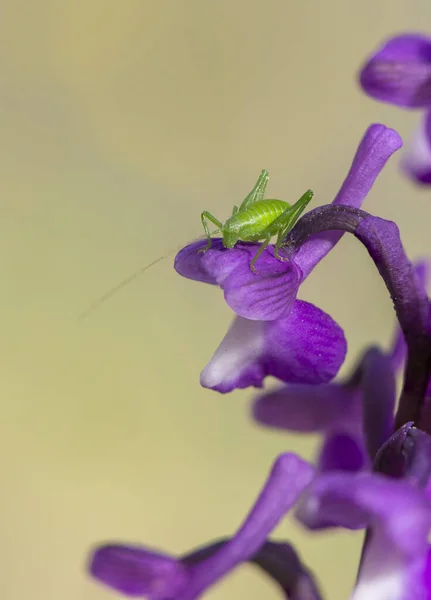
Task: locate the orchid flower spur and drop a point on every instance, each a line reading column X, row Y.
column 399, row 73
column 274, row 333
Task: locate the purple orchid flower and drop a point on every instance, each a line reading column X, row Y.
column 274, row 333
column 391, row 501
column 399, row 73
column 366, row 477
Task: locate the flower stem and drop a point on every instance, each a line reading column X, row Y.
column 382, row 240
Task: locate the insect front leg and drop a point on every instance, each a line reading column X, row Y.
column 259, row 252
column 205, row 217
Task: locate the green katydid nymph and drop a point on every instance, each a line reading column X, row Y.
column 257, row 220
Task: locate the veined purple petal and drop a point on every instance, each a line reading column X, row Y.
column 267, row 296
column 137, row 571
column 394, row 564
column 416, row 161
column 307, row 347
column 375, row 149
column 262, row 296
column 400, row 72
column 290, row 475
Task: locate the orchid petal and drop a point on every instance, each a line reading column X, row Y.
column 375, row 149
column 262, row 296
column 307, row 347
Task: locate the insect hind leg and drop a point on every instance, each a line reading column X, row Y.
column 286, row 221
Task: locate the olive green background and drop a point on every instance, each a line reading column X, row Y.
column 120, row 123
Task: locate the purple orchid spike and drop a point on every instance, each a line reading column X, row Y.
column 399, row 73
column 275, row 334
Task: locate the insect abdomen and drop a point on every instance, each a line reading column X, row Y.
column 257, row 217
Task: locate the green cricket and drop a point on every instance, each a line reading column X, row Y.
column 257, row 220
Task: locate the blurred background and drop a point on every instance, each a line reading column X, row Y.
column 120, row 123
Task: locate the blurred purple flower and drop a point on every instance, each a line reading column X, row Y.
column 275, row 334
column 395, row 560
column 399, row 73
column 141, row 572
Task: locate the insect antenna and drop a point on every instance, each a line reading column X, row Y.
column 125, row 282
